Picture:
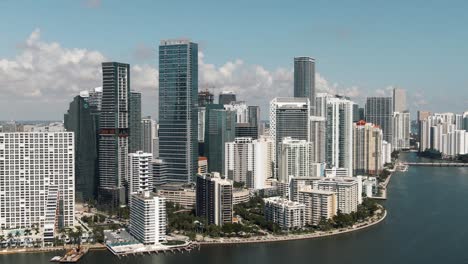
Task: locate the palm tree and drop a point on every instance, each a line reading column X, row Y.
column 17, row 234
column 27, row 232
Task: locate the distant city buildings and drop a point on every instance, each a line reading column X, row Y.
column 226, row 97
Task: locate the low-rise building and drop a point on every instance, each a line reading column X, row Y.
column 287, row 214
column 182, row 195
column 319, row 204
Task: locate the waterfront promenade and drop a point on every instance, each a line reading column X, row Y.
column 376, row 219
column 437, row 164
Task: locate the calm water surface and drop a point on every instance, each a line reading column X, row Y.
column 427, row 222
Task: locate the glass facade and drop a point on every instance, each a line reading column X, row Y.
column 135, row 139
column 178, row 109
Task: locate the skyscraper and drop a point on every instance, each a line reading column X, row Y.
column 401, row 130
column 214, row 199
column 178, row 108
column 379, row 111
column 226, row 97
column 304, row 79
column 317, row 136
column 399, row 100
column 205, row 98
column 134, row 119
column 114, row 132
column 367, row 150
column 139, row 174
column 289, row 117
column 44, row 178
column 296, row 159
column 148, row 127
column 82, row 118
column 148, row 218
column 339, row 134
column 219, row 129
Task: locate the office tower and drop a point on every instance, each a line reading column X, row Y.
column 139, row 176
column 155, row 146
column 319, row 204
column 250, row 120
column 95, row 98
column 35, row 167
column 254, row 115
column 158, row 171
column 178, row 108
column 356, row 113
column 459, row 122
column 214, row 199
column 287, row 214
column 82, row 118
column 304, row 79
column 339, row 134
column 379, row 111
column 346, row 190
column 205, row 98
column 113, row 133
column 318, row 137
column 226, row 97
column 401, row 130
column 367, row 154
column 148, row 134
column 399, row 100
column 249, row 161
column 220, row 128
column 148, row 218
column 295, row 159
column 289, row 117
column 134, row 122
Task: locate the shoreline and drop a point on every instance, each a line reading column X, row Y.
column 272, row 239
column 49, row 249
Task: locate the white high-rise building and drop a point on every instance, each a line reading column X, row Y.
column 249, row 161
column 386, row 152
column 401, row 130
column 149, row 132
column 347, row 190
column 139, row 176
column 339, row 134
column 34, row 168
column 296, row 159
column 148, row 218
column 319, row 204
column 201, row 124
column 321, row 104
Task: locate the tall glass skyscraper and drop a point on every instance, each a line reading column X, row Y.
column 219, row 128
column 379, row 111
column 135, row 139
column 113, row 133
column 304, row 79
column 82, row 118
column 178, row 108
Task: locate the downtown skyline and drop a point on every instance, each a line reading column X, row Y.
column 42, row 65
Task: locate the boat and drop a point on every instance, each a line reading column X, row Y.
column 72, row 256
column 56, row 259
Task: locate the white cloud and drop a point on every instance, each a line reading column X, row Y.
column 45, row 76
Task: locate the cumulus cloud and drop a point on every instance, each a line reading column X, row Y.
column 45, row 76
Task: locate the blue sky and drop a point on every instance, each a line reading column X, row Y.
column 361, row 47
